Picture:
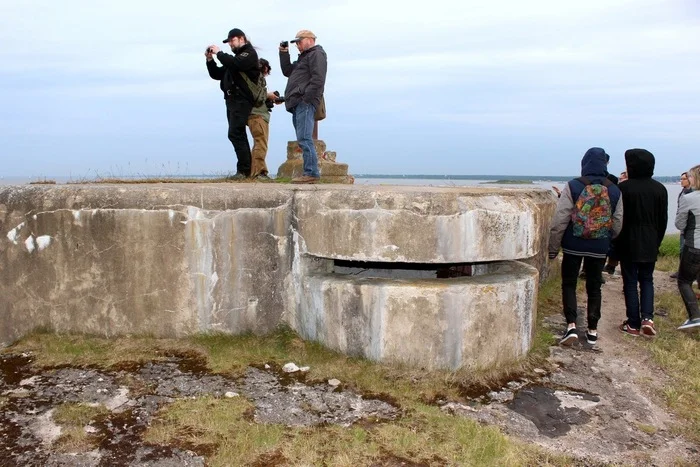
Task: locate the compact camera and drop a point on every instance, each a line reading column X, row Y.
column 209, row 50
column 284, row 44
column 279, row 99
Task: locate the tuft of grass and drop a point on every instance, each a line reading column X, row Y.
column 671, row 246
column 43, row 181
column 679, row 353
column 73, row 418
column 667, row 263
column 221, row 428
column 51, row 349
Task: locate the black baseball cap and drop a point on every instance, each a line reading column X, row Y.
column 235, row 32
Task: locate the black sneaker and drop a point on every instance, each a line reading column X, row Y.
column 591, row 338
column 570, row 337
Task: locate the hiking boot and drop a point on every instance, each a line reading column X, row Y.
column 609, row 269
column 237, row 178
column 570, row 337
column 648, row 328
column 591, row 338
column 305, row 179
column 263, row 178
column 627, row 329
column 690, row 325
column 674, row 275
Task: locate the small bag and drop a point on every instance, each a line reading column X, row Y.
column 320, row 110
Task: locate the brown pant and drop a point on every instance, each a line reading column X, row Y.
column 260, row 129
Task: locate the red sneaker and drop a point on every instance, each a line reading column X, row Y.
column 648, row 328
column 624, row 327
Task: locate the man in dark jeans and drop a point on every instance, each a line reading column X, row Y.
column 238, row 96
column 303, row 94
column 637, row 246
column 578, row 247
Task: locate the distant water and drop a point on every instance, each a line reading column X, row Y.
column 671, row 184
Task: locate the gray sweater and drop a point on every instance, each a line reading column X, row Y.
column 686, row 218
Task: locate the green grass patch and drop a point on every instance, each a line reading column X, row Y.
column 73, row 418
column 671, row 246
column 679, row 354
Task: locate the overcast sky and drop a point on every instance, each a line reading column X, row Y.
column 436, row 87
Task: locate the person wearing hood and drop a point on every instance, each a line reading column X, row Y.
column 590, row 247
column 637, row 246
column 237, row 94
column 303, row 94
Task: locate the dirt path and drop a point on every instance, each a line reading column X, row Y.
column 601, row 405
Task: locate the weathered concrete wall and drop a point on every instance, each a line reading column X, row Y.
column 171, row 260
column 430, row 323
column 413, row 224
column 159, row 260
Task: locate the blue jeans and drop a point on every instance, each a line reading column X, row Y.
column 303, row 119
column 638, row 302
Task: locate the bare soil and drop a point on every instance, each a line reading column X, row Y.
column 602, row 404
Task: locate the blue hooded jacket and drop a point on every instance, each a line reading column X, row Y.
column 594, row 168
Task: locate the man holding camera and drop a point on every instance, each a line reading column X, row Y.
column 307, row 79
column 238, row 96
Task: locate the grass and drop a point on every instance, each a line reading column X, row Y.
column 679, row 353
column 510, row 182
column 423, row 433
column 670, row 246
column 73, row 418
column 669, row 253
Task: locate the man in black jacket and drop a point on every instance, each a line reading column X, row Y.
column 307, row 80
column 637, row 246
column 238, row 96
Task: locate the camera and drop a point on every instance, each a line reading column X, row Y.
column 209, row 50
column 279, row 99
column 284, row 44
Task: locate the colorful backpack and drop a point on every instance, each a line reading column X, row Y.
column 592, row 215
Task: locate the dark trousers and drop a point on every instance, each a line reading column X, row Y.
column 593, row 268
column 687, row 272
column 237, row 112
column 639, row 302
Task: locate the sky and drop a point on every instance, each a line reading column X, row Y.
column 441, row 87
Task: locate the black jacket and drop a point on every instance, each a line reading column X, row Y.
column 646, row 210
column 232, row 83
column 307, row 77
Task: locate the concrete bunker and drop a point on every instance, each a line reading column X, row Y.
column 173, row 260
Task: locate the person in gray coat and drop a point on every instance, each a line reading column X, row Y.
column 307, row 80
column 687, row 222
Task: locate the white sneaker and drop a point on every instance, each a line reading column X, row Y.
column 690, row 324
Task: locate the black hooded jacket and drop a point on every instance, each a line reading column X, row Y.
column 646, row 210
column 232, row 83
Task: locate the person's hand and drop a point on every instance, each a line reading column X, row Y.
column 208, row 54
column 214, row 49
column 284, row 49
column 557, row 191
